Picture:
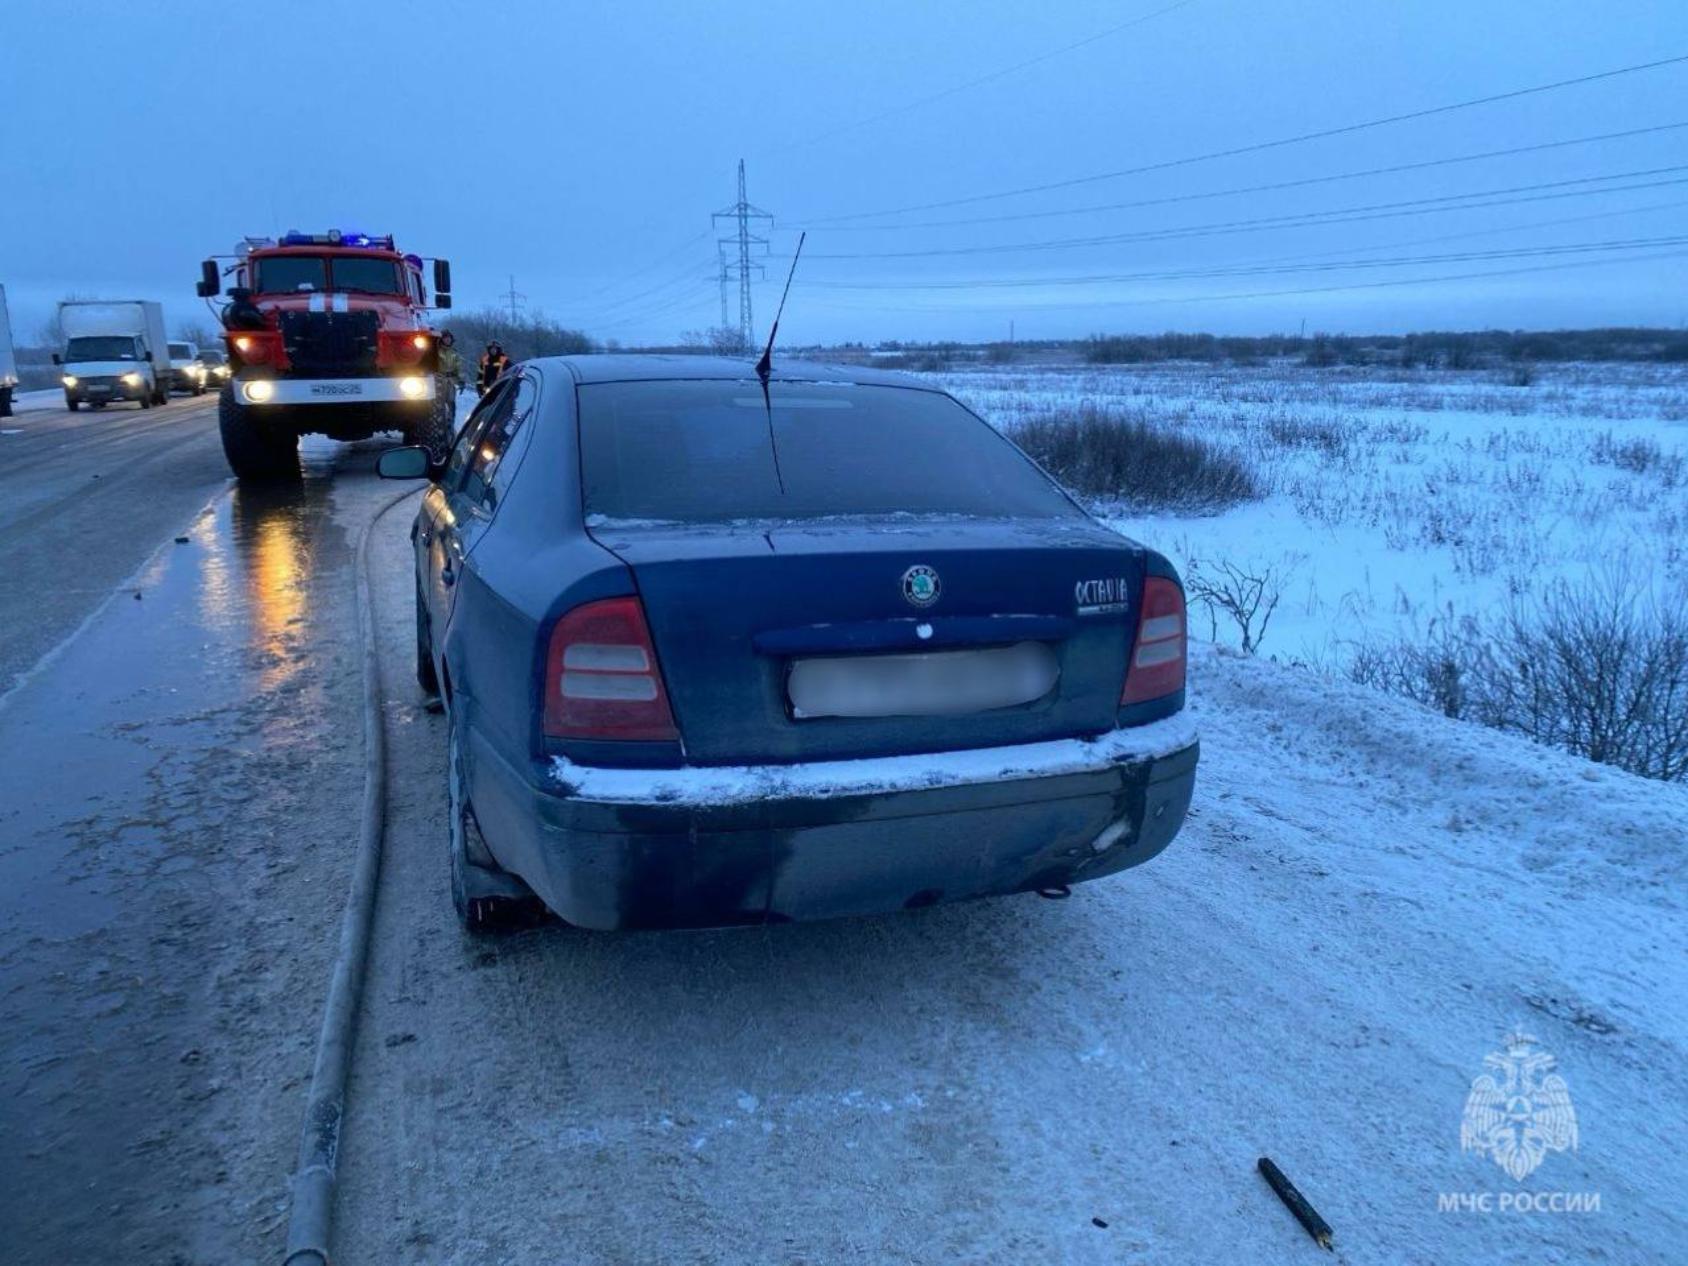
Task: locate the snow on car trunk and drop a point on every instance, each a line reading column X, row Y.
column 788, row 642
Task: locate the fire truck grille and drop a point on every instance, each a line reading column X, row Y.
column 330, row 344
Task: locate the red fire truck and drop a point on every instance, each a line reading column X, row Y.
column 327, row 334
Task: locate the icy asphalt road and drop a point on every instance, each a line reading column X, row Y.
column 1366, row 901
column 173, row 848
column 85, row 497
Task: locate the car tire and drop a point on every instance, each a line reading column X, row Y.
column 146, row 401
column 486, row 899
column 5, row 402
column 72, row 405
column 255, row 453
column 426, row 677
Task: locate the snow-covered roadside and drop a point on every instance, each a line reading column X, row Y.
column 1398, row 500
column 1407, row 890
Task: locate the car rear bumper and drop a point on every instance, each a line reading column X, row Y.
column 713, row 847
column 379, row 390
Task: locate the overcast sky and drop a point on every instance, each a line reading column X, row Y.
column 581, row 147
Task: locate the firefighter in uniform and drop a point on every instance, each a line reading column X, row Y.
column 451, row 364
column 493, row 363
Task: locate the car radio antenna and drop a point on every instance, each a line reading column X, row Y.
column 765, row 366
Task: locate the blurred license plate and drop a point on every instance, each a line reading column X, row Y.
column 933, row 683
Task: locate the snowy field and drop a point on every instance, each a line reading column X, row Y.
column 1400, row 499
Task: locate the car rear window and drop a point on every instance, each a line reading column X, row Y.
column 711, row 452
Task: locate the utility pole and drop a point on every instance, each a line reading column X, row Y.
column 741, row 247
column 514, row 297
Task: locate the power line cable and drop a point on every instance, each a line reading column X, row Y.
column 1260, row 188
column 1344, row 215
column 1257, row 146
column 1308, row 290
column 1523, row 252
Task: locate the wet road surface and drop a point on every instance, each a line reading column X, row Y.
column 85, row 498
column 173, row 833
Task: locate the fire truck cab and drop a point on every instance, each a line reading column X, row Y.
column 327, row 334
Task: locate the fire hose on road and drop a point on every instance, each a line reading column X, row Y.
column 319, row 1142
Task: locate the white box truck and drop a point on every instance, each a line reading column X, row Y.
column 113, row 351
column 8, row 360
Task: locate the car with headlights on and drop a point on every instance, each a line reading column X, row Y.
column 216, row 367
column 720, row 649
column 187, row 371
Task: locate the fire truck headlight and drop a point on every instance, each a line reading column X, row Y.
column 413, row 388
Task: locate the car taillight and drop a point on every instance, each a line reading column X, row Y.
column 601, row 676
column 1157, row 660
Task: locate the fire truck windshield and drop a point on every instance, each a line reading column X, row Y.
column 292, row 274
column 284, row 274
column 375, row 276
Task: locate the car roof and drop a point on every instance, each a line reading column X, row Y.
column 653, row 367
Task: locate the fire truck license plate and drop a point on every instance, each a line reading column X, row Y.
column 336, row 388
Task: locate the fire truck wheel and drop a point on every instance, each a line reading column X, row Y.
column 434, row 432
column 256, row 453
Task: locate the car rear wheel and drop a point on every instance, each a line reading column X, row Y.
column 487, row 899
column 72, row 405
column 256, row 453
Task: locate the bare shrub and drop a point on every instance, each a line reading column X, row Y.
column 1322, row 435
column 1120, row 457
column 1639, row 456
column 1599, row 669
column 1245, row 597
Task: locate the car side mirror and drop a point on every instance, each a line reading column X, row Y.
column 441, row 299
column 57, row 359
column 210, row 283
column 442, row 276
column 410, row 462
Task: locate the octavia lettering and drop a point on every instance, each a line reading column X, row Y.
column 1106, row 593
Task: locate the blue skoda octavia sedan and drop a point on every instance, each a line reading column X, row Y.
column 722, row 650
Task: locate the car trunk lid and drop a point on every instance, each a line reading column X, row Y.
column 832, row 639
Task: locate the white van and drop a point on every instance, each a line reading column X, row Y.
column 114, row 351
